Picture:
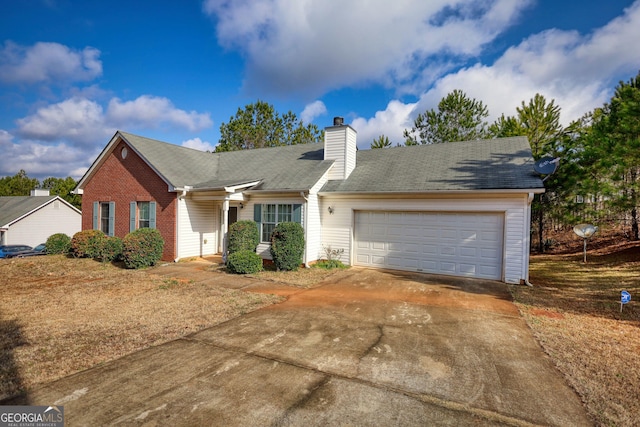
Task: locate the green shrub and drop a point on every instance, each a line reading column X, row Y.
column 88, row 244
column 142, row 248
column 244, row 262
column 329, row 264
column 243, row 236
column 287, row 246
column 58, row 243
column 111, row 249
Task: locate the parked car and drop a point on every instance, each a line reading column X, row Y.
column 7, row 250
column 38, row 250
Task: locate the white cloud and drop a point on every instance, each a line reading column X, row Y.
column 76, row 119
column 152, row 111
column 48, row 62
column 69, row 135
column 322, row 44
column 198, row 144
column 5, row 138
column 44, row 160
column 577, row 71
column 390, row 122
column 83, row 121
column 313, row 110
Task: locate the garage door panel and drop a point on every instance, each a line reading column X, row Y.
column 466, row 244
column 448, row 251
column 488, row 271
column 468, row 235
column 487, row 253
column 468, row 269
column 448, row 267
column 429, row 249
column 469, row 252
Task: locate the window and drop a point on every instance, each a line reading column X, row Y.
column 104, row 217
column 142, row 215
column 269, row 215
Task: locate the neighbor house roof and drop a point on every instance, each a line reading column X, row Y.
column 13, row 208
column 493, row 164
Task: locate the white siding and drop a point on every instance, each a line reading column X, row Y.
column 197, row 227
column 54, row 217
column 337, row 228
column 313, row 226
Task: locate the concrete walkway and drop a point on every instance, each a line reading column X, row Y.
column 367, row 348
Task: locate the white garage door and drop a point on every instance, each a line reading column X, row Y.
column 461, row 244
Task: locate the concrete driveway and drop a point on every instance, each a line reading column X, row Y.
column 369, row 347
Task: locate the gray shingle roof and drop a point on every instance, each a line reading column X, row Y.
column 493, row 164
column 296, row 167
column 14, row 207
column 180, row 166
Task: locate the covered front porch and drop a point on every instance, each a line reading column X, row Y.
column 204, row 217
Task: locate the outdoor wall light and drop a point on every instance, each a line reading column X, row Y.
column 241, row 206
column 330, row 209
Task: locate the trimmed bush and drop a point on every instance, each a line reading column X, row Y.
column 88, row 244
column 112, row 249
column 287, row 246
column 244, row 262
column 142, row 248
column 243, row 236
column 330, row 264
column 58, row 243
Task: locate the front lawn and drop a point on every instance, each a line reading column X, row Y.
column 574, row 311
column 60, row 315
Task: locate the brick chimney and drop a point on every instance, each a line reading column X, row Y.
column 340, row 145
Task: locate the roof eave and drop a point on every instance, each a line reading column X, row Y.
column 278, row 190
column 434, row 192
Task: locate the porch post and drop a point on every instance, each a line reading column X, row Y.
column 225, row 227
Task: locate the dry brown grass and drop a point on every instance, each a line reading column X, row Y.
column 60, row 315
column 303, row 278
column 574, row 311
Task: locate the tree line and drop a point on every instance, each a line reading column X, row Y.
column 21, row 185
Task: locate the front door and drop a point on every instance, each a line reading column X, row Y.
column 233, row 215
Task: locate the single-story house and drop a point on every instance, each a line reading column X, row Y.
column 30, row 220
column 459, row 208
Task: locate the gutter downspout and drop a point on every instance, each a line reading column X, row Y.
column 527, row 239
column 306, row 229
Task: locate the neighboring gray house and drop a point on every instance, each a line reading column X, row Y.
column 460, row 208
column 30, row 220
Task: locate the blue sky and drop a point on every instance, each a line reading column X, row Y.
column 73, row 72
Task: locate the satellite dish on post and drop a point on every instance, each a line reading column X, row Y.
column 585, row 231
column 546, row 166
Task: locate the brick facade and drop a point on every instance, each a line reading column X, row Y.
column 127, row 180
